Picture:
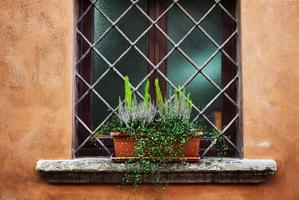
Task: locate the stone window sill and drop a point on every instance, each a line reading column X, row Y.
column 211, row 170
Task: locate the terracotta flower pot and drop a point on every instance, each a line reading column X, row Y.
column 124, row 146
column 191, row 147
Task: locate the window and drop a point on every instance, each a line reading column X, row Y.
column 187, row 43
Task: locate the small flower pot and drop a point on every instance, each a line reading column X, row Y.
column 124, row 146
column 191, row 147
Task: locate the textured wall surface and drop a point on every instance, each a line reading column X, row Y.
column 36, row 40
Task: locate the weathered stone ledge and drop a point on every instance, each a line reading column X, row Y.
column 212, row 170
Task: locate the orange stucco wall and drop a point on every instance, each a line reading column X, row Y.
column 36, row 60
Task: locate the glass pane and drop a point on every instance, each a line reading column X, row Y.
column 112, row 46
column 199, row 48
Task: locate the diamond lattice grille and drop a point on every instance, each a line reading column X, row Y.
column 90, row 50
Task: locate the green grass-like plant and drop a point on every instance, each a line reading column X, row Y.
column 189, row 101
column 159, row 96
column 180, row 94
column 128, row 93
column 147, row 96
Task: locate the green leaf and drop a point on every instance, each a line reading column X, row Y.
column 147, row 96
column 128, row 93
column 189, row 101
column 159, row 96
column 180, row 94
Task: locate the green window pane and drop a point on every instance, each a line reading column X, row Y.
column 112, row 46
column 199, row 48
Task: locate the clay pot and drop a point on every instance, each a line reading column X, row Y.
column 191, row 147
column 124, row 145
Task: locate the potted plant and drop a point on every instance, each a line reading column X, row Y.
column 174, row 121
column 146, row 135
column 133, row 116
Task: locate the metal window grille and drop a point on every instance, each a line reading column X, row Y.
column 85, row 87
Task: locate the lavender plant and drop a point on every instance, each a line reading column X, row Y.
column 132, row 111
column 179, row 107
